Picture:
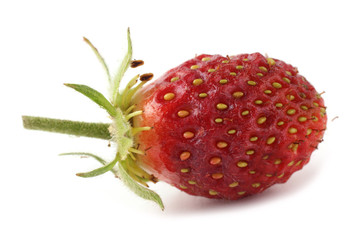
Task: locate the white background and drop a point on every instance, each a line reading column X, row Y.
column 41, row 48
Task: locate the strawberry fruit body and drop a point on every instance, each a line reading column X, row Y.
column 217, row 127
column 228, row 127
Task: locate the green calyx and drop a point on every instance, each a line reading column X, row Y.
column 121, row 110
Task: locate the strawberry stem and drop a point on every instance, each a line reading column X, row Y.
column 84, row 129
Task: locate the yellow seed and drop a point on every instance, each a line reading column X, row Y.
column 233, row 74
column 291, row 163
column 241, row 193
column 211, row 70
column 221, row 144
column 261, row 120
column 174, row 79
column 192, row 182
column 242, row 164
column 293, row 146
column 308, row 132
column 290, row 97
column 183, row 187
column 280, row 123
column 239, row 67
column 251, row 83
column 250, row 152
column 280, row 176
column 253, row 139
column 225, row 61
column 265, row 157
column 219, row 120
column 188, row 135
column 169, row 96
column 267, row 91
column 217, row 175
column 231, row 131
column 277, row 85
column 223, row 81
column 260, row 74
column 215, row 160
column 203, row 95
column 291, row 111
column 286, row 79
column 213, row 193
column 255, row 185
column 234, row 184
column 303, row 107
column 238, row 94
column 314, row 118
column 279, row 105
column 204, row 59
column 277, row 161
column 298, row 163
column 221, row 106
column 268, row 175
column 244, row 113
column 288, row 73
column 302, row 119
column 258, row 102
column 184, row 156
column 292, row 130
column 185, row 170
column 245, row 59
column 315, row 104
column 271, row 61
column 194, row 67
column 183, row 113
column 270, row 140
column 197, row 82
column 252, row 172
column 263, row 69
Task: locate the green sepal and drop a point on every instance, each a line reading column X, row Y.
column 99, row 159
column 121, row 71
column 98, row 171
column 105, row 168
column 135, row 187
column 121, row 171
column 95, row 96
column 100, row 58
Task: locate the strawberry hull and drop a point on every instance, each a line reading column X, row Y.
column 228, row 127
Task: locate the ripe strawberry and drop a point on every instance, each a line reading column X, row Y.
column 229, row 127
column 218, row 127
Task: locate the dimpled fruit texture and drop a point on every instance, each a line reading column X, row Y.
column 229, row 127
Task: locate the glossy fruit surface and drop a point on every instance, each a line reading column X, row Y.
column 228, row 127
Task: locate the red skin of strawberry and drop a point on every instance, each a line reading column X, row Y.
column 269, row 121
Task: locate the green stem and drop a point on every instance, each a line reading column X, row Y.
column 85, row 129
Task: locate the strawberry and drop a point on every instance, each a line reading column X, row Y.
column 218, row 127
column 229, row 127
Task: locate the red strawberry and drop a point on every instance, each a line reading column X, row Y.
column 219, row 127
column 228, row 127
